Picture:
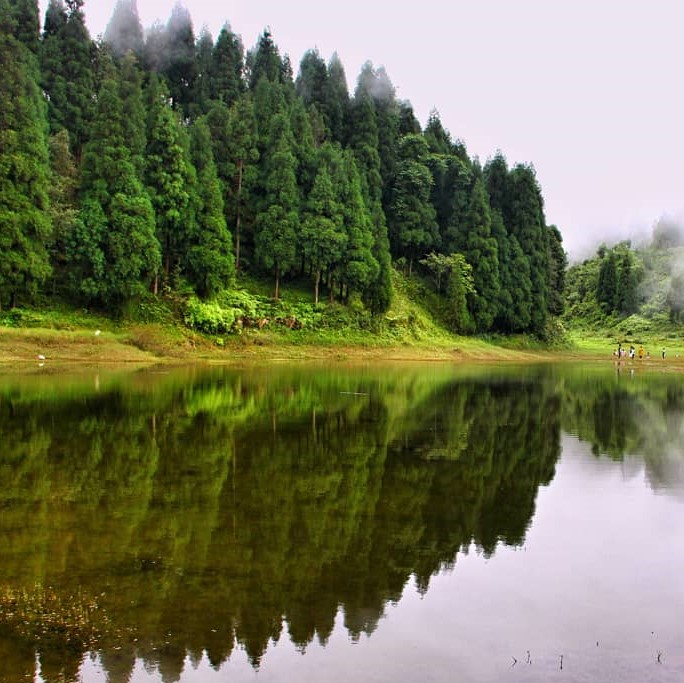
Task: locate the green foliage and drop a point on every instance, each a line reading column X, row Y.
column 25, row 222
column 208, row 317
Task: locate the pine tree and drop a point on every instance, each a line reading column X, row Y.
column 63, row 205
column 234, row 139
column 411, row 216
column 481, row 252
column 66, row 59
column 179, row 64
column 528, row 225
column 210, row 260
column 227, row 66
column 265, row 61
column 360, row 267
column 166, row 177
column 607, row 286
column 26, row 18
column 626, row 294
column 134, row 114
column 558, row 263
column 363, row 136
column 124, row 32
column 25, row 226
column 113, row 251
column 323, row 236
column 336, row 99
column 201, row 95
column 277, row 222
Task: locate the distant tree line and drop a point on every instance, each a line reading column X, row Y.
column 166, row 161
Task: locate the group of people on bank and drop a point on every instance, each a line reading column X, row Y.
column 622, row 353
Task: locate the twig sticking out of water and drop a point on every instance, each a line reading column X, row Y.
column 659, row 659
column 529, row 658
column 515, row 661
column 561, row 662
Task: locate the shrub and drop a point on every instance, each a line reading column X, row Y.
column 208, row 317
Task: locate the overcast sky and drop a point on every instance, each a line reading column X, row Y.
column 589, row 91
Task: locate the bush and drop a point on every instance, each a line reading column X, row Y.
column 208, row 317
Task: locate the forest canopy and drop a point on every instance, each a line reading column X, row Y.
column 162, row 162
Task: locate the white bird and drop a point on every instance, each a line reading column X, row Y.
column 40, row 356
column 98, row 333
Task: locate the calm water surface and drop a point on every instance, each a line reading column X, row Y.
column 386, row 523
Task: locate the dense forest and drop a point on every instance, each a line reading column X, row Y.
column 159, row 163
column 634, row 288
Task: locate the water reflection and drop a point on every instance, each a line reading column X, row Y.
column 157, row 517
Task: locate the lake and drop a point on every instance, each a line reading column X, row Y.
column 330, row 523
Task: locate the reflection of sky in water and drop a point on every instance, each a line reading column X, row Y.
column 599, row 580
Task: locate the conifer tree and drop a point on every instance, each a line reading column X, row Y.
column 607, row 286
column 411, row 216
column 363, row 136
column 276, row 224
column 66, row 59
column 133, row 109
column 234, row 140
column 558, row 263
column 360, row 269
column 481, row 251
column 528, row 225
column 166, row 176
column 227, row 67
column 336, row 99
column 25, row 226
column 124, row 32
column 179, row 64
column 26, row 18
column 113, row 251
column 323, row 236
column 201, row 95
column 265, row 61
column 210, row 260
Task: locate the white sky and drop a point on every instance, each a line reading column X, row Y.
column 589, row 91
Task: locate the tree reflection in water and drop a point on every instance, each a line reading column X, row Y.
column 202, row 510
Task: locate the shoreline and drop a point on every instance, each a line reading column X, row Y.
column 151, row 345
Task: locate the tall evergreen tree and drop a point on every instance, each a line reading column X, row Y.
column 166, row 173
column 323, row 236
column 179, row 64
column 124, row 32
column 113, row 251
column 558, row 263
column 277, row 222
column 25, row 226
column 607, row 286
column 265, row 61
column 63, row 206
column 626, row 294
column 336, row 99
column 411, row 216
column 210, row 260
column 134, row 114
column 201, row 95
column 26, row 18
column 481, row 251
column 360, row 269
column 66, row 61
column 363, row 137
column 234, row 139
column 227, row 67
column 528, row 224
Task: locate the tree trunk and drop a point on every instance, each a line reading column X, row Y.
column 277, row 283
column 316, row 283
